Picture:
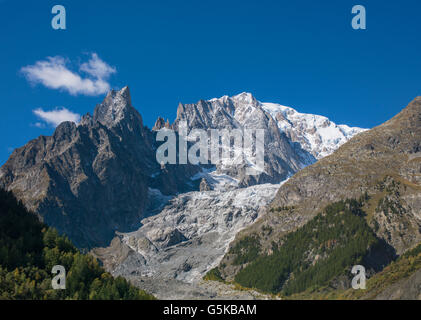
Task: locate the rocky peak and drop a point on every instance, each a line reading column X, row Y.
column 116, row 107
column 160, row 123
column 180, row 110
column 64, row 130
column 245, row 98
column 410, row 117
column 86, row 120
column 91, row 179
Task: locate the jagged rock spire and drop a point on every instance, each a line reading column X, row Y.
column 161, row 123
column 116, row 107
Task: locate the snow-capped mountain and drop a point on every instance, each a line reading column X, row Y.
column 281, row 160
column 315, row 134
column 172, row 250
column 292, row 140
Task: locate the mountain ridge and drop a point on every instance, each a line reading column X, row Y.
column 288, row 148
column 93, row 178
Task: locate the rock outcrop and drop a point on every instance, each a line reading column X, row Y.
column 204, row 185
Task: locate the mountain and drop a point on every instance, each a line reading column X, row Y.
column 292, row 140
column 94, row 178
column 315, row 134
column 172, row 250
column 91, row 179
column 380, row 169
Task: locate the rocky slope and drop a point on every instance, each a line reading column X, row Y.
column 186, row 239
column 383, row 163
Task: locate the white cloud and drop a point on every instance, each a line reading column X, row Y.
column 54, row 73
column 55, row 117
column 97, row 68
column 38, row 125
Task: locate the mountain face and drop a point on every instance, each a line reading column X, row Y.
column 100, row 176
column 315, row 134
column 91, row 179
column 381, row 166
column 292, row 140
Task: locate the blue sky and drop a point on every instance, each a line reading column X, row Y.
column 298, row 53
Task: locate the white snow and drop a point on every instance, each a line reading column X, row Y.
column 218, row 181
column 315, row 134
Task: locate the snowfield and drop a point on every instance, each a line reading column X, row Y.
column 316, row 134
